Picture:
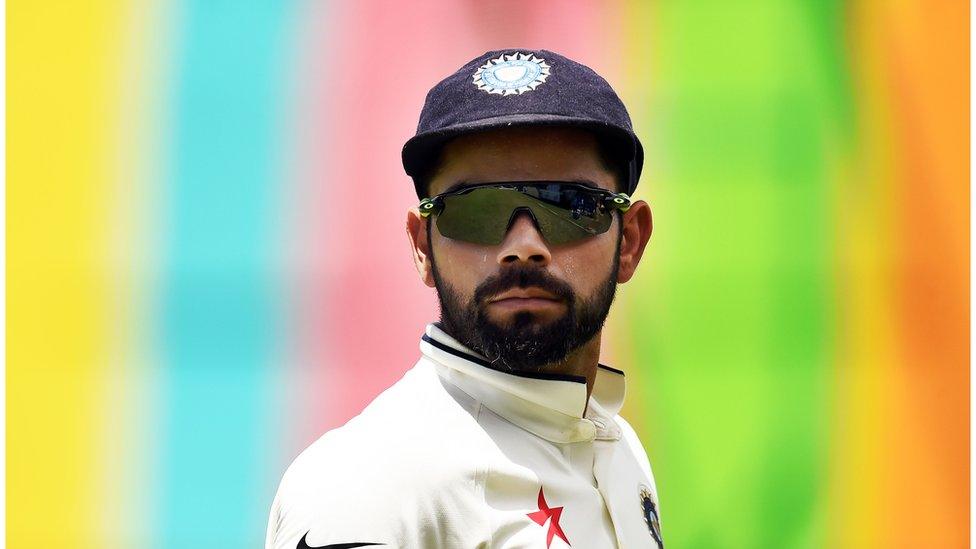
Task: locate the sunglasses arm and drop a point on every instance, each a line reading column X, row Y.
column 619, row 201
column 429, row 206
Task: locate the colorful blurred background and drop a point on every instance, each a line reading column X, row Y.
column 207, row 266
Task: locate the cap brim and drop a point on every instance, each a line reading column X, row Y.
column 423, row 148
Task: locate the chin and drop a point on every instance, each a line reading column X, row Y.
column 526, row 322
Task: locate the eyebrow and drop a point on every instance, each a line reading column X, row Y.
column 464, row 184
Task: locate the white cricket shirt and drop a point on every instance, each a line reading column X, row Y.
column 460, row 454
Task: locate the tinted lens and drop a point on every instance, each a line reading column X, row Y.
column 560, row 226
column 480, row 216
column 483, row 215
column 568, row 213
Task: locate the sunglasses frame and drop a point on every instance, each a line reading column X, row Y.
column 611, row 200
column 607, row 201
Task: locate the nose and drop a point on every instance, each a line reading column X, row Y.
column 523, row 242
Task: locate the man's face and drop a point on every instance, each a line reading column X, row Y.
column 524, row 303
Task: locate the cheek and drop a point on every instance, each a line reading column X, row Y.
column 586, row 265
column 461, row 264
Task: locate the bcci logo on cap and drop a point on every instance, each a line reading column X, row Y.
column 512, row 74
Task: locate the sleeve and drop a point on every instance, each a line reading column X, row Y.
column 337, row 500
column 322, row 508
column 273, row 523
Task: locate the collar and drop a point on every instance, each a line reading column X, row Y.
column 548, row 405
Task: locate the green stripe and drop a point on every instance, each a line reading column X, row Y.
column 731, row 315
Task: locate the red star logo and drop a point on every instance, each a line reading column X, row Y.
column 552, row 515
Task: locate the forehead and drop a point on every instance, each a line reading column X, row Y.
column 522, row 154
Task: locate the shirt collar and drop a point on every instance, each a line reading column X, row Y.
column 548, row 405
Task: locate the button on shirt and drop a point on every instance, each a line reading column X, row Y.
column 460, row 453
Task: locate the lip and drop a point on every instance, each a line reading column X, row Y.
column 531, row 293
column 520, row 299
column 524, row 303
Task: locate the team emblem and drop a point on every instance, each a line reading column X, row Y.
column 512, row 74
column 650, row 514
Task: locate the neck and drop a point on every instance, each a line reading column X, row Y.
column 582, row 362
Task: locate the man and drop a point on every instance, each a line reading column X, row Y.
column 505, row 433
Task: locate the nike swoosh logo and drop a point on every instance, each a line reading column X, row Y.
column 302, row 544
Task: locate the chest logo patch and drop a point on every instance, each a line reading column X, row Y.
column 552, row 515
column 512, row 74
column 649, row 509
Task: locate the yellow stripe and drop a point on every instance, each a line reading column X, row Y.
column 62, row 63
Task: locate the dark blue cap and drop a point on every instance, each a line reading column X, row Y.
column 519, row 87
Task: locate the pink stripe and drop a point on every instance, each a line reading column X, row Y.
column 360, row 305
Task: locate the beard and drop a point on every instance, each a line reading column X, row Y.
column 524, row 343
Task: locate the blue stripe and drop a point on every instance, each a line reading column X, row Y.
column 220, row 318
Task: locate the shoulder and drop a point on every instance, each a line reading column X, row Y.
column 416, row 416
column 407, row 459
column 633, row 442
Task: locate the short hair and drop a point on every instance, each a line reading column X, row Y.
column 611, row 157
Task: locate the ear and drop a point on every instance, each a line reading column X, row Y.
column 420, row 246
column 636, row 226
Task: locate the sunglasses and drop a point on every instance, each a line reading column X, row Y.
column 563, row 211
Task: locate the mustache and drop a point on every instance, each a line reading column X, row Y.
column 522, row 276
